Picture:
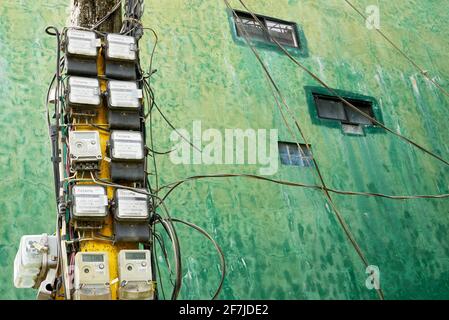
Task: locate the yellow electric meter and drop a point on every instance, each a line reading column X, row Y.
column 92, row 276
column 135, row 275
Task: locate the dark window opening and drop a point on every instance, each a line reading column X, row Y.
column 291, row 155
column 333, row 108
column 283, row 32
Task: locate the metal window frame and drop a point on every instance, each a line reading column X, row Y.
column 306, row 159
column 353, row 101
column 268, row 37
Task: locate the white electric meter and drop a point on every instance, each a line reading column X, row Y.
column 92, row 276
column 131, row 206
column 83, row 43
column 135, row 275
column 89, row 202
column 84, row 91
column 34, row 252
column 85, row 146
column 123, row 95
column 126, row 145
column 120, row 47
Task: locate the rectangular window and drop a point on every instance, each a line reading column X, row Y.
column 329, row 107
column 283, row 32
column 291, row 155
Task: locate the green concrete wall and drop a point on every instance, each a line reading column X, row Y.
column 280, row 242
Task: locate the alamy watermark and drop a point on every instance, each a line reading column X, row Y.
column 227, row 147
column 373, row 280
column 373, row 17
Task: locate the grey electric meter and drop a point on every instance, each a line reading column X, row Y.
column 126, row 146
column 83, row 92
column 92, row 276
column 135, row 275
column 131, row 206
column 89, row 202
column 120, row 47
column 85, row 150
column 123, row 95
column 82, row 43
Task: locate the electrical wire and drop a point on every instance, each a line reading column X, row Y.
column 106, row 17
column 172, row 186
column 217, row 247
column 336, row 94
column 326, row 193
column 401, row 52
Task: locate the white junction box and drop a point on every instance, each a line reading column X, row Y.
column 84, row 91
column 126, row 145
column 85, row 147
column 83, row 43
column 89, row 202
column 123, row 95
column 92, row 276
column 120, row 47
column 33, row 251
column 131, row 206
column 135, row 275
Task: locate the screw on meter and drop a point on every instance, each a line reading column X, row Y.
column 127, row 146
column 131, row 206
column 123, row 95
column 85, row 150
column 89, row 202
column 82, row 43
column 83, row 92
column 120, row 47
column 92, row 276
column 135, row 275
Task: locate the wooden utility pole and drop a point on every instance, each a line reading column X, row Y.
column 86, row 13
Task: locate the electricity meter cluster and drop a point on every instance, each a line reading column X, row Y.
column 92, row 275
column 90, row 207
column 99, row 154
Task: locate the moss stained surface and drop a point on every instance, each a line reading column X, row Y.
column 280, row 242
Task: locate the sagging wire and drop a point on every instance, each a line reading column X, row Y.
column 217, row 247
column 326, row 193
column 336, row 94
column 174, row 185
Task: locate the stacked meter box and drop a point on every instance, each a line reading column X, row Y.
column 81, row 48
column 127, row 153
column 131, row 216
column 92, row 274
column 123, row 100
column 121, row 57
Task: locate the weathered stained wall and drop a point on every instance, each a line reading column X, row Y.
column 279, row 242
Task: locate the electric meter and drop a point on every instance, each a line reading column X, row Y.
column 36, row 254
column 131, row 206
column 92, row 276
column 89, row 202
column 83, row 92
column 126, row 146
column 85, row 150
column 82, row 43
column 120, row 47
column 135, row 275
column 123, row 95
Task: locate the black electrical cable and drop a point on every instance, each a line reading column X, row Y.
column 171, row 231
column 53, row 31
column 217, row 247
